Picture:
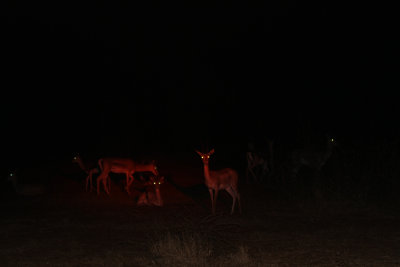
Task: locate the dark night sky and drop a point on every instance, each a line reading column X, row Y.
column 108, row 72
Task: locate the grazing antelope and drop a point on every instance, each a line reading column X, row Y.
column 224, row 179
column 125, row 166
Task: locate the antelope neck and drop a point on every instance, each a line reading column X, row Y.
column 206, row 172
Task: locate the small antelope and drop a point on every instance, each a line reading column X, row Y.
column 152, row 195
column 88, row 169
column 224, row 179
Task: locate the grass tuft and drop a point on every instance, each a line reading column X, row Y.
column 181, row 250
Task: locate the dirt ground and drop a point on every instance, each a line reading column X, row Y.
column 70, row 227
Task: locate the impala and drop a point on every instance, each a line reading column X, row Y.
column 89, row 169
column 125, row 166
column 223, row 179
column 259, row 160
column 313, row 159
column 152, row 195
column 257, row 166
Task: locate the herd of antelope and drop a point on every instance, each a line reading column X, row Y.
column 224, row 179
column 127, row 166
column 257, row 168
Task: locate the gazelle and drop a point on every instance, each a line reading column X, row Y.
column 312, row 158
column 152, row 195
column 25, row 189
column 89, row 169
column 224, row 179
column 259, row 160
column 125, row 166
column 257, row 166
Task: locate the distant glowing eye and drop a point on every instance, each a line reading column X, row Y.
column 208, row 157
column 202, row 157
column 159, row 182
column 154, row 182
column 332, row 140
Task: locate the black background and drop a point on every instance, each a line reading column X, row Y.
column 110, row 77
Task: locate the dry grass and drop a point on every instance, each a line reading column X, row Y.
column 190, row 249
column 181, row 250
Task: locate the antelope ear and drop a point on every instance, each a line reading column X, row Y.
column 211, row 152
column 198, row 152
column 162, row 179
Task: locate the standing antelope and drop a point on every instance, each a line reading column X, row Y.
column 89, row 169
column 259, row 162
column 313, row 159
column 257, row 166
column 125, row 166
column 224, row 179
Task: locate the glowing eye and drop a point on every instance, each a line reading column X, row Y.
column 154, row 182
column 332, row 140
column 202, row 156
column 208, row 156
column 159, row 182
